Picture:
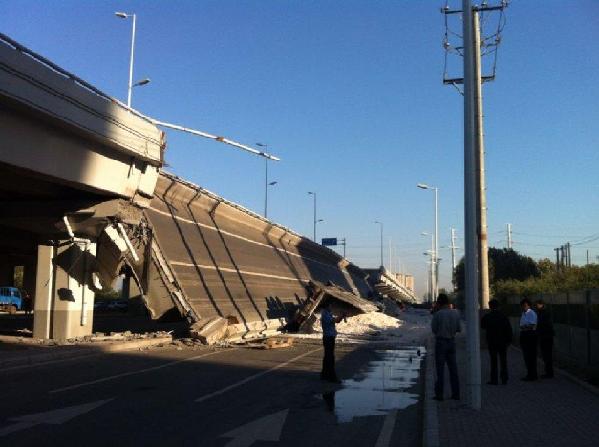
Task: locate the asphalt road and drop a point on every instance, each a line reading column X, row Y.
column 219, row 397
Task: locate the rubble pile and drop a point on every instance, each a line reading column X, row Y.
column 361, row 327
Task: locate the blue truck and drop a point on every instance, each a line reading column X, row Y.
column 11, row 299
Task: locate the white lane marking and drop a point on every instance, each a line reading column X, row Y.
column 131, row 373
column 55, row 417
column 251, row 241
column 230, row 270
column 50, row 362
column 384, row 438
column 253, row 377
column 267, row 428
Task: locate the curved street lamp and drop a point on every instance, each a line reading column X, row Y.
column 124, row 15
column 435, row 260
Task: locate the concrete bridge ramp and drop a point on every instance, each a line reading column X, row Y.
column 225, row 261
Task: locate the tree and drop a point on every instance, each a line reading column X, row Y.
column 507, row 263
column 545, row 266
column 504, row 264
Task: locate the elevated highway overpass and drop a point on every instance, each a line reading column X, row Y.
column 84, row 199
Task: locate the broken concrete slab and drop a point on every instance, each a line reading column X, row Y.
column 320, row 292
column 209, row 330
column 254, row 329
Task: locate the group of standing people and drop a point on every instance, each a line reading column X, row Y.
column 536, row 329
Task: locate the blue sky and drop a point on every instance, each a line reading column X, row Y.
column 349, row 95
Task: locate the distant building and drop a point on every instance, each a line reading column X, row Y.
column 409, row 282
column 405, row 280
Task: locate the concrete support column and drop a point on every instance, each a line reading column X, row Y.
column 44, row 292
column 64, row 302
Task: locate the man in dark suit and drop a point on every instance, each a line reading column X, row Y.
column 545, row 335
column 499, row 337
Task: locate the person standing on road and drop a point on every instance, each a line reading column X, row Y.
column 445, row 325
column 329, row 333
column 545, row 333
column 499, row 337
column 528, row 339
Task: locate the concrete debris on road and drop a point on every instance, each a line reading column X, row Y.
column 219, row 331
column 96, row 338
column 389, row 324
column 209, row 330
column 270, row 343
column 348, row 302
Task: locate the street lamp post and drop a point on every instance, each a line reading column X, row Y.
column 144, row 81
column 431, row 272
column 123, row 15
column 435, row 255
column 381, row 224
column 429, row 292
column 313, row 194
column 266, row 182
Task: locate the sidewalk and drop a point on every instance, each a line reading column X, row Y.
column 556, row 412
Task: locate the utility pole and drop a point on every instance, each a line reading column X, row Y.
column 475, row 207
column 483, row 254
column 587, row 257
column 509, row 236
column 471, row 204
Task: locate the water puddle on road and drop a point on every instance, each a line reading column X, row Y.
column 380, row 387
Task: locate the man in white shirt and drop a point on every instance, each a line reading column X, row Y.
column 528, row 339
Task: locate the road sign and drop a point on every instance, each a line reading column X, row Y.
column 329, row 241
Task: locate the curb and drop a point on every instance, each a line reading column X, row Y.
column 85, row 351
column 430, row 422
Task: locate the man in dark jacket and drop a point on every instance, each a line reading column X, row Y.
column 445, row 325
column 545, row 335
column 499, row 337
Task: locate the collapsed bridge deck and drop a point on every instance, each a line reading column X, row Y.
column 227, row 261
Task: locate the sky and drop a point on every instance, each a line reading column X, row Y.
column 349, row 95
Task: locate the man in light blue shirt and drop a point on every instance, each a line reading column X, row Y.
column 528, row 339
column 329, row 333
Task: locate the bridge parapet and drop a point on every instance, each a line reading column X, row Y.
column 54, row 124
